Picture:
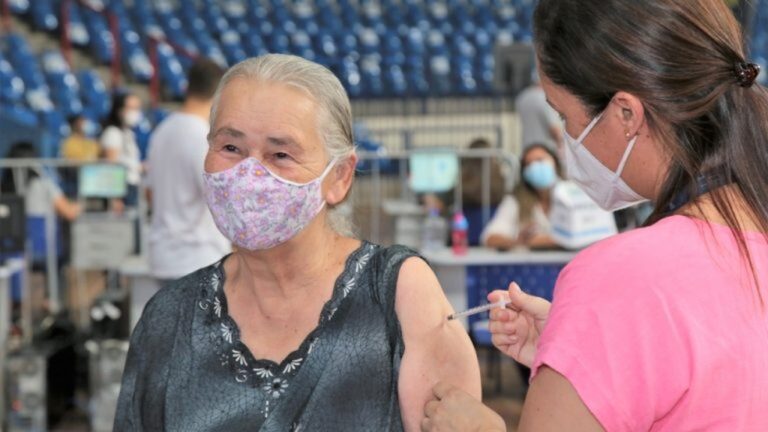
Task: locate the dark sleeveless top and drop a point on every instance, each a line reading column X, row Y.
column 188, row 371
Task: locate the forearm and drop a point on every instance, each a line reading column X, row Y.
column 498, row 241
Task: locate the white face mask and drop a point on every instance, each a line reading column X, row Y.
column 132, row 117
column 604, row 186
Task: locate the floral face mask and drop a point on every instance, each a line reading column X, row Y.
column 256, row 209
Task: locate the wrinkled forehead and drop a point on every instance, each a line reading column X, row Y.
column 272, row 110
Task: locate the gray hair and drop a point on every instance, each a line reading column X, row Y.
column 335, row 112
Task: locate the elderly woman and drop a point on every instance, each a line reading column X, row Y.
column 303, row 327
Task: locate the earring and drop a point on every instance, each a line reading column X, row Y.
column 626, row 134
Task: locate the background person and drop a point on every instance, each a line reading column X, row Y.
column 78, row 146
column 183, row 236
column 523, row 218
column 538, row 121
column 119, row 142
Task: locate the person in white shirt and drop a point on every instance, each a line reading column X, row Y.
column 539, row 123
column 42, row 195
column 183, row 236
column 119, row 142
column 523, row 218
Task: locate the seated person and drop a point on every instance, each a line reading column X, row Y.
column 522, row 219
column 78, row 146
column 471, row 178
column 302, row 327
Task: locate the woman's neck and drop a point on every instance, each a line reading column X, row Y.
column 544, row 198
column 287, row 270
column 705, row 208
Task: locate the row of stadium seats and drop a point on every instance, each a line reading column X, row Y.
column 378, row 48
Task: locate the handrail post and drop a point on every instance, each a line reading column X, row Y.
column 114, row 29
column 66, row 44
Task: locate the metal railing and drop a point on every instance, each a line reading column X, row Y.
column 376, row 196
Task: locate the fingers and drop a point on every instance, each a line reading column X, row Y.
column 496, row 295
column 441, row 389
column 537, row 307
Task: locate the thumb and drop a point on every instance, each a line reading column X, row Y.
column 537, row 307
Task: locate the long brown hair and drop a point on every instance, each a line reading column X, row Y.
column 681, row 58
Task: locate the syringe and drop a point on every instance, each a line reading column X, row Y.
column 478, row 309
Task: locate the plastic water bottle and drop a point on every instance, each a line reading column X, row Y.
column 434, row 231
column 459, row 230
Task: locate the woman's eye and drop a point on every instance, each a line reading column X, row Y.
column 229, row 148
column 281, row 155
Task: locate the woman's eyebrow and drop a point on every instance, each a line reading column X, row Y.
column 285, row 141
column 228, row 131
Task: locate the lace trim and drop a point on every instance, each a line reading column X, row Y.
column 272, row 378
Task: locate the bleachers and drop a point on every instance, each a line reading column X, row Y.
column 379, row 49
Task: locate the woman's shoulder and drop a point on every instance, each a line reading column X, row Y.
column 633, row 258
column 112, row 135
column 392, row 254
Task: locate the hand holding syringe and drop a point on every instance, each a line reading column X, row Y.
column 516, row 321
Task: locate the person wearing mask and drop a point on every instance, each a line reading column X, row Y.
column 119, row 142
column 183, row 236
column 302, row 326
column 523, row 218
column 662, row 328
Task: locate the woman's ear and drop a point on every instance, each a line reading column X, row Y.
column 631, row 112
column 340, row 180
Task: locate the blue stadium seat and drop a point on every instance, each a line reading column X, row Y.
column 19, row 114
column 452, row 39
column 232, row 48
column 43, row 15
column 18, row 7
column 102, row 43
column 11, row 86
column 78, row 32
column 171, row 72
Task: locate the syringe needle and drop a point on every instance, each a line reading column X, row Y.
column 478, row 309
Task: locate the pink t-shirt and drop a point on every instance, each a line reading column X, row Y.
column 662, row 329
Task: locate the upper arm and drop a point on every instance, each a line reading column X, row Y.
column 505, row 221
column 435, row 349
column 552, row 404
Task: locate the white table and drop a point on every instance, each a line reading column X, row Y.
column 451, row 270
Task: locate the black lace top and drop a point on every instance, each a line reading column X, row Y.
column 187, row 369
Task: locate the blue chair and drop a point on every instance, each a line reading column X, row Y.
column 232, row 48
column 440, row 75
column 102, row 43
column 11, row 86
column 78, row 32
column 19, row 7
column 43, row 16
